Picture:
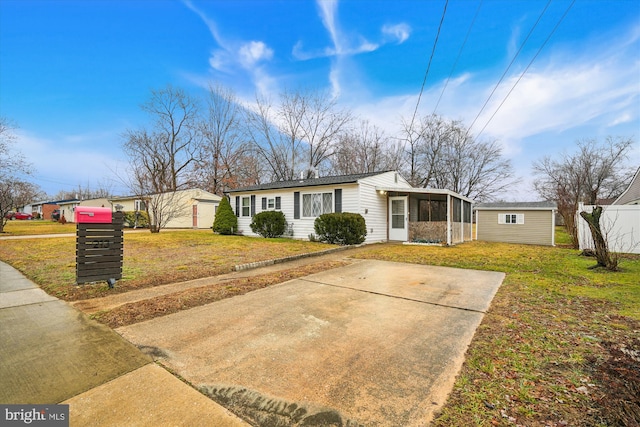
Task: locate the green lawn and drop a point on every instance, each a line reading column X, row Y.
column 149, row 259
column 36, row 226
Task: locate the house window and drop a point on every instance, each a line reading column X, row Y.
column 139, row 205
column 246, row 206
column 271, row 203
column 316, row 204
column 510, row 218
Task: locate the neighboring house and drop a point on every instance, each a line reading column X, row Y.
column 631, row 196
column 392, row 208
column 44, row 209
column 195, row 208
column 529, row 223
column 68, row 208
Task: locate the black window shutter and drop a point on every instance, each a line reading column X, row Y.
column 237, row 206
column 338, row 196
column 278, row 203
column 253, row 205
column 264, row 203
column 296, row 205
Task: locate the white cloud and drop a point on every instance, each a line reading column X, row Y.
column 234, row 56
column 253, row 52
column 399, row 33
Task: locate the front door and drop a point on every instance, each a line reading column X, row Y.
column 398, row 224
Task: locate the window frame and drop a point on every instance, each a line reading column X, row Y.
column 511, row 218
column 322, row 201
column 247, row 206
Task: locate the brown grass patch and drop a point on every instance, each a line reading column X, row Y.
column 149, row 259
column 139, row 311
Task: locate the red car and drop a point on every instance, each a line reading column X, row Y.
column 18, row 215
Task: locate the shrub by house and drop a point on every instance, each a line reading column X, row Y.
column 225, row 221
column 269, row 224
column 341, row 228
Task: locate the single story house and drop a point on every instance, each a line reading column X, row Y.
column 68, row 207
column 521, row 222
column 393, row 209
column 191, row 208
column 44, row 209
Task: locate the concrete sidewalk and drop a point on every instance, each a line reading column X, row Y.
column 52, row 353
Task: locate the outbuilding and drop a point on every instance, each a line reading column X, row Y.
column 520, row 222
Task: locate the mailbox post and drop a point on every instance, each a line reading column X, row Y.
column 99, row 245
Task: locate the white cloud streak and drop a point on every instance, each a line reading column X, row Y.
column 398, row 33
column 249, row 56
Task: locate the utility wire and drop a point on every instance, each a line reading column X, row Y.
column 455, row 64
column 424, row 81
column 509, row 66
column 527, row 68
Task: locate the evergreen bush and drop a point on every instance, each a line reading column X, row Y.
column 136, row 219
column 269, row 224
column 341, row 228
column 226, row 221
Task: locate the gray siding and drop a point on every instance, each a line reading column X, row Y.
column 537, row 228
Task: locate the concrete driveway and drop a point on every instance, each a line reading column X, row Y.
column 372, row 343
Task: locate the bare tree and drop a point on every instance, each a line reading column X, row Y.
column 274, row 141
column 14, row 190
column 323, row 123
column 424, row 142
column 162, row 158
column 441, row 153
column 593, row 173
column 300, row 135
column 222, row 141
column 364, row 149
column 85, row 192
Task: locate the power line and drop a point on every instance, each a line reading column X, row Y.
column 527, row 68
column 424, row 81
column 455, row 64
column 509, row 66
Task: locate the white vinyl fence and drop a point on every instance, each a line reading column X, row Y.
column 620, row 225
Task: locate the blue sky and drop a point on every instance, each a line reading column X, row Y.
column 73, row 73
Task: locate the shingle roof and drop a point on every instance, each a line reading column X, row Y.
column 325, row 180
column 632, row 193
column 518, row 205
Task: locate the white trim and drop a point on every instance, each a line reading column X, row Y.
column 425, row 191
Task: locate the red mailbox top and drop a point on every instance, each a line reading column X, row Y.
column 93, row 215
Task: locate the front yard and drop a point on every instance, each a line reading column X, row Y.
column 560, row 345
column 149, row 259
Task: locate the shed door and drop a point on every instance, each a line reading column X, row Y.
column 398, row 213
column 195, row 216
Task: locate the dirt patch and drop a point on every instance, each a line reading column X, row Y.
column 263, row 410
column 620, row 370
column 128, row 314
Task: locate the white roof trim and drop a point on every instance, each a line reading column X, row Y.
column 514, row 208
column 425, row 191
